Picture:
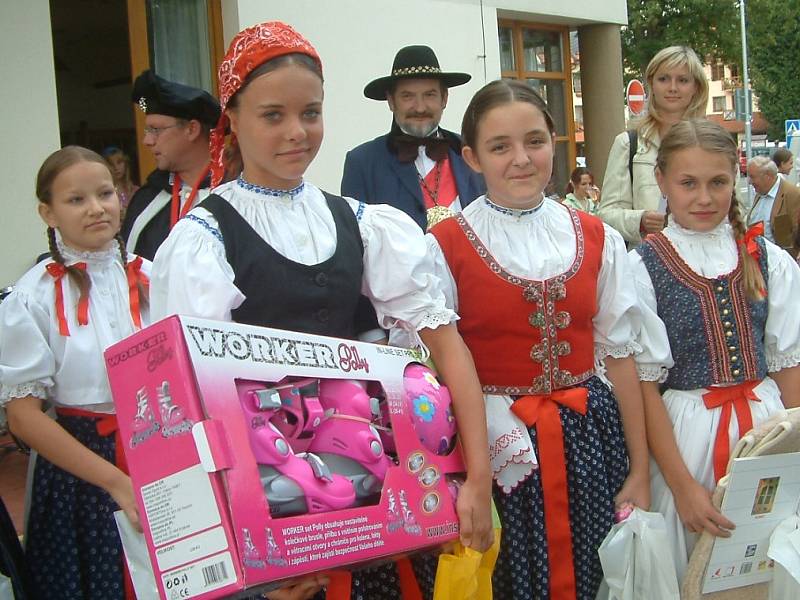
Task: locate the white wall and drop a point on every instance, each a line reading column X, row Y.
column 357, row 41
column 29, row 125
column 573, row 12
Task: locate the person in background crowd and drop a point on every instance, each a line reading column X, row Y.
column 777, row 204
column 54, row 327
column 177, row 125
column 120, row 165
column 416, row 167
column 582, row 194
column 317, row 252
column 677, row 89
column 547, row 309
column 720, row 331
column 783, row 159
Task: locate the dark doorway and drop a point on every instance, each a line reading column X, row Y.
column 93, row 75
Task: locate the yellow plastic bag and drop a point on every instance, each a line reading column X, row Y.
column 464, row 573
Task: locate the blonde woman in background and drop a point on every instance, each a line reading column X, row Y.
column 677, row 89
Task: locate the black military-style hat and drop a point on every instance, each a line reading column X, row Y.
column 156, row 95
column 414, row 62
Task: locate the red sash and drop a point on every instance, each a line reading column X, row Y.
column 542, row 411
column 738, row 397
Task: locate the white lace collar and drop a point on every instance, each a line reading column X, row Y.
column 675, row 229
column 71, row 255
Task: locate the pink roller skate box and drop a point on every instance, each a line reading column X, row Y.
column 259, row 454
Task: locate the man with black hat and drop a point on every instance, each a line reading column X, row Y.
column 178, row 119
column 416, row 167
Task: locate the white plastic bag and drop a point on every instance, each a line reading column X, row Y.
column 637, row 561
column 784, row 549
column 6, row 589
column 137, row 558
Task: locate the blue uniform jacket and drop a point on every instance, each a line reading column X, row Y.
column 373, row 175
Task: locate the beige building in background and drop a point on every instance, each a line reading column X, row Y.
column 63, row 92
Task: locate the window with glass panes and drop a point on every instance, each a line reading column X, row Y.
column 539, row 55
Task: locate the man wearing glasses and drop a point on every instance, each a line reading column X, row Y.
column 178, row 119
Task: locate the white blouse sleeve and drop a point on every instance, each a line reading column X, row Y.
column 447, row 284
column 191, row 275
column 617, row 308
column 399, row 276
column 782, row 331
column 27, row 363
column 655, row 359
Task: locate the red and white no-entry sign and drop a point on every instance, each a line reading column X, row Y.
column 635, row 96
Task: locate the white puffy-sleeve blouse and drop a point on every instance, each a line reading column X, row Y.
column 36, row 360
column 192, row 276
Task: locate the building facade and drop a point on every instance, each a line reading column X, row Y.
column 357, row 40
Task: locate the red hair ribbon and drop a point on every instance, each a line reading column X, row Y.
column 748, row 241
column 57, row 271
column 249, row 49
column 738, row 397
column 135, row 277
column 542, row 410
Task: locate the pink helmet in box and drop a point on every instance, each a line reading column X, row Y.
column 430, row 408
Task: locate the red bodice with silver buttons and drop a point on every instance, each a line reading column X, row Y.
column 526, row 336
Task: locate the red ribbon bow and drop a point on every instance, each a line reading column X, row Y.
column 135, row 277
column 57, row 271
column 737, row 396
column 543, row 411
column 748, row 242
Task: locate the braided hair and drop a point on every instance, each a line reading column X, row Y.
column 709, row 136
column 754, row 284
column 54, row 165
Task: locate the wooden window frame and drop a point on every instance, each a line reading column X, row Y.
column 564, row 75
column 140, row 61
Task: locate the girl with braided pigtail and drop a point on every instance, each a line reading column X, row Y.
column 54, row 327
column 720, row 331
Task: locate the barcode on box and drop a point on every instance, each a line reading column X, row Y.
column 198, row 578
column 215, row 573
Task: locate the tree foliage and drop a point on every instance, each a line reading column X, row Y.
column 774, row 56
column 710, row 27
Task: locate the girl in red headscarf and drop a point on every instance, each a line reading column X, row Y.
column 54, row 327
column 271, row 249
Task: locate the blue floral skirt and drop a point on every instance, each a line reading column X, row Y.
column 597, row 464
column 382, row 582
column 72, row 544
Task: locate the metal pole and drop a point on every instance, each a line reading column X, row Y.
column 748, row 118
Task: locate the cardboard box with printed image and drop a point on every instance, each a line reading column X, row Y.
column 259, row 455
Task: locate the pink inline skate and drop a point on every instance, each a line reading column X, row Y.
column 301, row 412
column 274, row 555
column 293, row 483
column 144, row 424
column 173, row 419
column 251, row 556
column 394, row 519
column 409, row 522
column 347, row 440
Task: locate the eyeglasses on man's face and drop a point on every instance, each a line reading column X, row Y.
column 156, row 131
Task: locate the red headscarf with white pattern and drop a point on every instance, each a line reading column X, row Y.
column 250, row 49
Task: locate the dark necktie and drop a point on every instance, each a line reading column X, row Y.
column 407, row 147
